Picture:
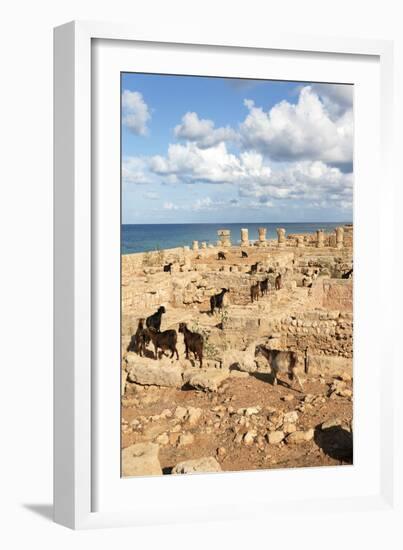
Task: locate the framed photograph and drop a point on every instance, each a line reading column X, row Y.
column 222, row 213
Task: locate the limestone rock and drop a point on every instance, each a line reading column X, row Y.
column 141, row 459
column 300, row 436
column 274, row 438
column 291, row 417
column 249, row 437
column 153, row 373
column 205, row 464
column 193, row 416
column 208, row 379
column 180, row 413
column 185, row 439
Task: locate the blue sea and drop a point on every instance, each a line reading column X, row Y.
column 147, row 237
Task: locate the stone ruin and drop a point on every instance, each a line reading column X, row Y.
column 312, row 314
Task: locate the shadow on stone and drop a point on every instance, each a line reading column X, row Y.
column 336, row 442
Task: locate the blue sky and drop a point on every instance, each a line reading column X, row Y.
column 197, row 149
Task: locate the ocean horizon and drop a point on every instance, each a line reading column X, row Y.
column 149, row 237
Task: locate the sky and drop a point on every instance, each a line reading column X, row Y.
column 203, row 149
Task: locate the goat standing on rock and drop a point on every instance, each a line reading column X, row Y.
column 164, row 341
column 139, row 340
column 193, row 342
column 254, row 292
column 216, row 301
column 154, row 320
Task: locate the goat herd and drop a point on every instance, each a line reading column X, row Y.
column 166, row 340
column 148, row 330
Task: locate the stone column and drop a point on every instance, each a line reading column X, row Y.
column 195, row 246
column 281, row 237
column 320, row 238
column 225, row 237
column 262, row 236
column 204, row 245
column 244, row 237
column 339, row 237
column 300, row 241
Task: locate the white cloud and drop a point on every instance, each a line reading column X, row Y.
column 134, row 171
column 202, row 131
column 191, row 164
column 304, row 131
column 136, row 113
column 308, row 181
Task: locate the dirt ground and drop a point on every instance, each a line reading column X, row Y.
column 220, row 430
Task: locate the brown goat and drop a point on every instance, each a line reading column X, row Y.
column 164, row 341
column 278, row 283
column 193, row 342
column 139, row 340
column 254, row 292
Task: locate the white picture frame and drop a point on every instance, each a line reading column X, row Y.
column 79, row 311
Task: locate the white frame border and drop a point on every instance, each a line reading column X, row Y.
column 72, row 250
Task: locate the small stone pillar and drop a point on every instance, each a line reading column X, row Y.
column 225, row 237
column 244, row 237
column 320, row 238
column 262, row 236
column 204, row 245
column 195, row 246
column 281, row 237
column 300, row 241
column 339, row 237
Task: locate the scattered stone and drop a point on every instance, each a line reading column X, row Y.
column 193, row 416
column 289, row 428
column 221, row 452
column 274, row 438
column 249, row 437
column 205, row 464
column 300, row 436
column 141, row 459
column 290, row 417
column 180, row 413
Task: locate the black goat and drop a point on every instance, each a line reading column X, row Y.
column 244, row 254
column 168, row 268
column 139, row 340
column 216, row 301
column 278, row 282
column 264, row 286
column 347, row 274
column 154, row 320
column 221, row 256
column 193, row 342
column 164, row 341
column 253, row 267
column 254, row 292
